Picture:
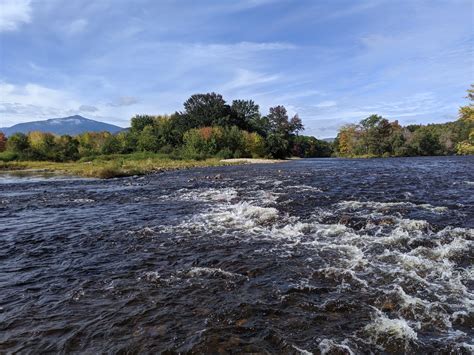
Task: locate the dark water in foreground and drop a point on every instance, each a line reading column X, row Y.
column 323, row 256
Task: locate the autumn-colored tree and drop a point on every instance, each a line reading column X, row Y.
column 91, row 143
column 466, row 115
column 3, row 142
column 254, row 144
column 347, row 138
column 42, row 145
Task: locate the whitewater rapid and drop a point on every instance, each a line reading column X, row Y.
column 313, row 257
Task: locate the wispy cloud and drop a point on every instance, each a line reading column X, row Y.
column 75, row 27
column 241, row 5
column 333, row 62
column 23, row 103
column 14, row 13
column 324, row 104
column 124, row 101
column 20, row 103
column 88, row 108
column 247, row 78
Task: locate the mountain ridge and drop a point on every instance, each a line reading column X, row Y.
column 71, row 125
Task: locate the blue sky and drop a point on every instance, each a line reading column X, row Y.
column 333, row 62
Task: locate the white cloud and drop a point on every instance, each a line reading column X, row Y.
column 237, row 6
column 76, row 26
column 325, row 104
column 31, row 102
column 124, row 101
column 33, row 94
column 88, row 108
column 14, row 13
column 246, row 78
column 233, row 48
column 22, row 103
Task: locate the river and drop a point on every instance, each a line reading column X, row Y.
column 328, row 256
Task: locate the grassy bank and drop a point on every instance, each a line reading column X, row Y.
column 116, row 165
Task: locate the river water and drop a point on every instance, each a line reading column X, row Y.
column 323, row 256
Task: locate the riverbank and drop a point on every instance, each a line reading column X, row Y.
column 252, row 161
column 110, row 166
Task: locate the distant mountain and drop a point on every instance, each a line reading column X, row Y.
column 329, row 140
column 67, row 125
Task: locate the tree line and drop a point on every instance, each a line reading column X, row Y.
column 376, row 136
column 210, row 127
column 207, row 127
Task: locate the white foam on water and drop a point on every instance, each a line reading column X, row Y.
column 302, row 351
column 386, row 206
column 353, row 204
column 83, row 200
column 241, row 215
column 327, row 346
column 459, row 316
column 342, row 274
column 466, row 346
column 265, row 197
column 407, row 299
column 438, row 209
column 384, row 329
column 209, row 271
column 156, row 277
column 411, row 224
column 426, row 285
column 77, row 294
column 452, row 249
column 152, row 276
column 226, row 194
column 304, row 188
column 143, row 232
column 291, row 231
column 332, row 230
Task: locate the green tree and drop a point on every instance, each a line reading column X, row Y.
column 91, row 143
column 277, row 146
column 18, row 143
column 370, row 137
column 128, row 141
column 147, row 140
column 310, row 147
column 163, row 129
column 424, row 142
column 280, row 123
column 139, row 122
column 278, row 119
column 247, row 115
column 112, row 145
column 207, row 110
column 42, row 146
column 67, row 148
